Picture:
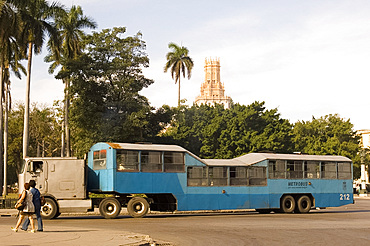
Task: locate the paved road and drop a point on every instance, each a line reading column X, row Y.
column 347, row 225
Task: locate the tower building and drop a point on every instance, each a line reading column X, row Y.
column 212, row 91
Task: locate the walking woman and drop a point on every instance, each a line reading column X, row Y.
column 28, row 210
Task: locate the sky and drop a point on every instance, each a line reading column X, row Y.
column 305, row 58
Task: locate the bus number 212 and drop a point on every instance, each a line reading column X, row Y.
column 344, row 197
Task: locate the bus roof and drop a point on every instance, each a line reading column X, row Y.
column 145, row 146
column 152, row 147
column 244, row 160
column 253, row 158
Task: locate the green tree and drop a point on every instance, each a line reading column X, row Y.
column 106, row 82
column 179, row 62
column 69, row 46
column 253, row 128
column 215, row 132
column 327, row 135
column 45, row 132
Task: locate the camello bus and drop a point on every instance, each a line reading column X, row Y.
column 144, row 177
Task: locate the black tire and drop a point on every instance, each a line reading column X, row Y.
column 109, row 208
column 303, row 205
column 57, row 215
column 264, row 211
column 138, row 207
column 49, row 210
column 287, row 204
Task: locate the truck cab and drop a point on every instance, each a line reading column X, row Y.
column 62, row 181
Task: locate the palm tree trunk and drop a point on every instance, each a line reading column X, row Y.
column 2, row 167
column 66, row 119
column 62, row 143
column 179, row 94
column 27, row 104
column 5, row 192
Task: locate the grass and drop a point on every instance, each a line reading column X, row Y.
column 10, row 196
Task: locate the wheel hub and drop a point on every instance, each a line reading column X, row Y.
column 139, row 208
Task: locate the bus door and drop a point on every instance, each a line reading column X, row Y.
column 38, row 171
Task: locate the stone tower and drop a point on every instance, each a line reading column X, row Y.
column 212, row 90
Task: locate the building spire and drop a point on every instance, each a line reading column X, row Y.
column 212, row 91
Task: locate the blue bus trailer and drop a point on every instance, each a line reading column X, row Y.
column 144, row 177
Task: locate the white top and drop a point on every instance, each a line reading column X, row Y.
column 253, row 158
column 29, row 203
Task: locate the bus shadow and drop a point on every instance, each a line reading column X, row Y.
column 339, row 211
column 208, row 214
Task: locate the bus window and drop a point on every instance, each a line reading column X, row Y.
column 344, row 170
column 277, row 169
column 174, row 162
column 312, row 169
column 127, row 161
column 151, row 161
column 257, row 176
column 238, row 176
column 329, row 170
column 294, row 169
column 217, row 176
column 100, row 157
column 197, row 176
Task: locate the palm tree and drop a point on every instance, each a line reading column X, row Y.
column 36, row 22
column 70, row 24
column 10, row 56
column 179, row 61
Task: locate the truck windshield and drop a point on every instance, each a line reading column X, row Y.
column 23, row 166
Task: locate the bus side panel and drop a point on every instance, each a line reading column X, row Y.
column 141, row 183
column 326, row 192
column 218, row 198
column 333, row 199
column 192, row 202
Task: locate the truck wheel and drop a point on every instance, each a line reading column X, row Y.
column 49, row 210
column 287, row 204
column 303, row 205
column 138, row 207
column 110, row 208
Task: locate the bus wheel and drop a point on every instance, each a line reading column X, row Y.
column 49, row 210
column 109, row 208
column 303, row 205
column 287, row 204
column 138, row 207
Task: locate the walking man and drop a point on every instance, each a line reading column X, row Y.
column 37, row 203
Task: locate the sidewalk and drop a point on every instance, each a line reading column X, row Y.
column 57, row 235
column 60, row 235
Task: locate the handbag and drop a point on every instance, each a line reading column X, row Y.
column 20, row 205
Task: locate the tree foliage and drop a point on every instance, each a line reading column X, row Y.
column 45, row 132
column 328, row 135
column 105, row 84
column 215, row 132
